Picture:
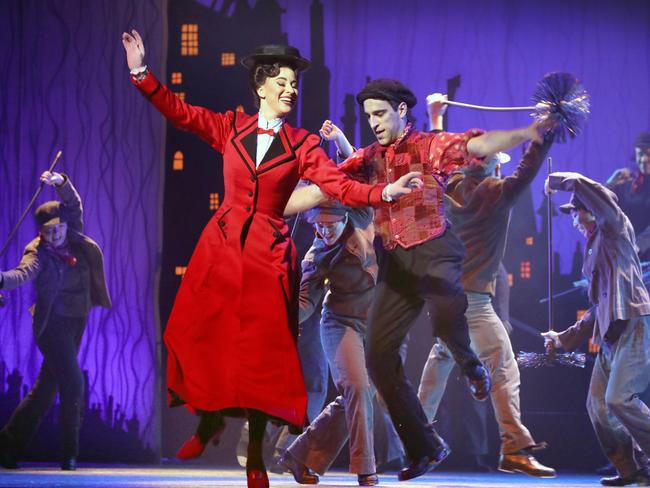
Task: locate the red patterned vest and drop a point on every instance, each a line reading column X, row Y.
column 419, row 216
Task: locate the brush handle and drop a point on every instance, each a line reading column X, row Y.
column 490, row 109
column 29, row 207
column 550, row 251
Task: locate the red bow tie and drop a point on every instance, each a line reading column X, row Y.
column 268, row 132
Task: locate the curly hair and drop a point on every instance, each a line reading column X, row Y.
column 260, row 72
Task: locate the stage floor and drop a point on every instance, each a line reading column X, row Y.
column 163, row 477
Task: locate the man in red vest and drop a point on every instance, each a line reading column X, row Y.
column 422, row 263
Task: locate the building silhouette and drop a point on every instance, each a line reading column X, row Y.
column 106, row 434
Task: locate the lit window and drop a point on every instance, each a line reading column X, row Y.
column 180, row 270
column 227, row 59
column 524, row 270
column 240, row 108
column 180, row 95
column 178, row 162
column 214, row 201
column 510, row 280
column 593, row 348
column 189, row 40
column 177, row 78
column 530, row 240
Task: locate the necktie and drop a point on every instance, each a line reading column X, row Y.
column 268, row 132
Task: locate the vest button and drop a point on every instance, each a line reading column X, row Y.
column 222, row 223
column 248, row 209
column 250, row 193
column 253, row 178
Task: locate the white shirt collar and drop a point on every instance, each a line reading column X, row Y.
column 274, row 124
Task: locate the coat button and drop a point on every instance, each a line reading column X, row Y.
column 253, row 178
column 248, row 209
column 250, row 193
column 222, row 223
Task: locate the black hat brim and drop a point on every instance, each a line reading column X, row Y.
column 300, row 63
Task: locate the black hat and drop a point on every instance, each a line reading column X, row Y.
column 271, row 53
column 642, row 140
column 389, row 90
column 574, row 204
column 51, row 212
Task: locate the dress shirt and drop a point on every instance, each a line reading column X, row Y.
column 264, row 141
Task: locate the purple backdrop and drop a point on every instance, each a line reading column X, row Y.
column 500, row 49
column 65, row 86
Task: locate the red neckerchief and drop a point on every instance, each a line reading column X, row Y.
column 63, row 253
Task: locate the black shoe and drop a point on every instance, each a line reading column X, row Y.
column 478, row 380
column 301, row 473
column 368, row 479
column 424, row 464
column 69, row 464
column 639, row 478
column 8, row 460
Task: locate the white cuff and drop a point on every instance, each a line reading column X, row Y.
column 137, row 71
column 385, row 196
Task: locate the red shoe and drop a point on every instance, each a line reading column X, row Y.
column 191, row 448
column 257, row 478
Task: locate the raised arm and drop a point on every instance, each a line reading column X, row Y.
column 71, row 199
column 330, row 132
column 501, row 140
column 599, row 200
column 210, row 126
column 526, row 171
column 436, row 108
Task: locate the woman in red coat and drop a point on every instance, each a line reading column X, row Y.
column 231, row 333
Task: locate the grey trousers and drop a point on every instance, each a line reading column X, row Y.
column 619, row 417
column 350, row 415
column 491, row 343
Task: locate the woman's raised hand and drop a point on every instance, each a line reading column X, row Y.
column 134, row 48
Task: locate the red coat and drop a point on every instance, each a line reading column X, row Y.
column 231, row 334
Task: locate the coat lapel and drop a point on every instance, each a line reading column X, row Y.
column 245, row 142
column 276, row 149
column 280, row 152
